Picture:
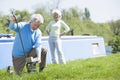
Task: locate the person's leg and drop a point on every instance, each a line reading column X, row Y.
column 58, row 46
column 32, row 53
column 52, row 50
column 18, row 64
column 43, row 57
column 31, row 66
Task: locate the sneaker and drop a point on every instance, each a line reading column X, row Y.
column 9, row 70
column 41, row 70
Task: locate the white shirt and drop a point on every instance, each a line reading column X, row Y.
column 54, row 28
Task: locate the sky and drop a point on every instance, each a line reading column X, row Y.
column 100, row 10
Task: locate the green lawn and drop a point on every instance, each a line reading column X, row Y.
column 100, row 68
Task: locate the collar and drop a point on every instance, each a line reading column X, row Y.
column 32, row 29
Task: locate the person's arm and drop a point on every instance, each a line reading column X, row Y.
column 38, row 50
column 47, row 32
column 66, row 27
column 37, row 47
column 48, row 28
column 13, row 25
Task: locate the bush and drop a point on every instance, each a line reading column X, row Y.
column 115, row 43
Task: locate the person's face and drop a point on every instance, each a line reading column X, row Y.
column 56, row 16
column 35, row 24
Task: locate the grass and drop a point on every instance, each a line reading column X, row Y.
column 100, row 68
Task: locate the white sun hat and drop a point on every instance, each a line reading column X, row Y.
column 57, row 11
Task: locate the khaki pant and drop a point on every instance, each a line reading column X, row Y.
column 19, row 63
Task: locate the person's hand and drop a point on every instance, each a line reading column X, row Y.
column 38, row 58
column 47, row 32
column 12, row 19
column 38, row 61
column 61, row 34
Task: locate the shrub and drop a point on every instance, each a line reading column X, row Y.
column 115, row 43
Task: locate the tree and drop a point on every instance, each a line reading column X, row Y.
column 115, row 26
column 74, row 12
column 22, row 15
column 115, row 43
column 87, row 14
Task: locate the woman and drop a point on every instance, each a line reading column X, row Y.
column 54, row 31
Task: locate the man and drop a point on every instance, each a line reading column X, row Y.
column 31, row 40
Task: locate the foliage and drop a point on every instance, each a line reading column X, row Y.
column 87, row 13
column 115, row 26
column 22, row 15
column 100, row 68
column 74, row 12
column 105, row 31
column 115, row 43
column 4, row 24
column 75, row 19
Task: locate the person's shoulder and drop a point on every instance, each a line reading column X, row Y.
column 38, row 31
column 61, row 21
column 51, row 21
column 23, row 23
